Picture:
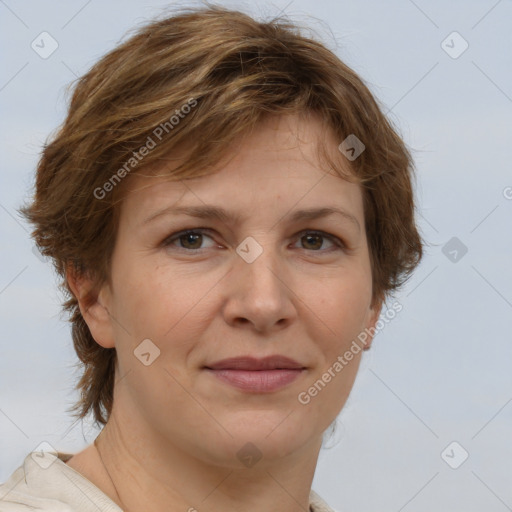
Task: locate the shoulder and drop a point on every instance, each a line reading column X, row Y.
column 318, row 504
column 44, row 482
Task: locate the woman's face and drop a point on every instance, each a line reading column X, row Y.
column 262, row 281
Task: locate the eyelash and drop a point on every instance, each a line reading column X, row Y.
column 338, row 243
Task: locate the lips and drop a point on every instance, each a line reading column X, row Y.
column 248, row 363
column 255, row 375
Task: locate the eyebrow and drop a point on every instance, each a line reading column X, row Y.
column 219, row 213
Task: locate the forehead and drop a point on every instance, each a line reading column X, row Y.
column 276, row 165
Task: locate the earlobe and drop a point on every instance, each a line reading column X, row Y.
column 93, row 307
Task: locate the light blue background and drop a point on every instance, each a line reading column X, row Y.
column 441, row 370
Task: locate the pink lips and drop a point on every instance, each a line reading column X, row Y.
column 257, row 375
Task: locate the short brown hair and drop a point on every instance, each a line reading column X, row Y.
column 231, row 70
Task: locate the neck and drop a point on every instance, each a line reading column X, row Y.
column 146, row 473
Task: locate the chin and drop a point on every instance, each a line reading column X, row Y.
column 260, row 437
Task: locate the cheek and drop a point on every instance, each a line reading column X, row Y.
column 341, row 307
column 163, row 304
column 164, row 308
column 340, row 317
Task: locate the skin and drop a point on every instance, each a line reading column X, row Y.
column 172, row 439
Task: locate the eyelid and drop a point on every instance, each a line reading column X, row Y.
column 177, row 234
column 335, row 240
column 338, row 243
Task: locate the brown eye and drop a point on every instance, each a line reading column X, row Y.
column 314, row 240
column 190, row 240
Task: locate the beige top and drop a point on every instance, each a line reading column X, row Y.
column 45, row 483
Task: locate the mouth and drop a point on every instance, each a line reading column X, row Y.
column 257, row 375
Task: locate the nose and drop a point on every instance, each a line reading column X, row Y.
column 260, row 295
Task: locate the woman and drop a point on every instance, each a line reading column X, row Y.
column 229, row 210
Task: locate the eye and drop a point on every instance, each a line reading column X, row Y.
column 314, row 240
column 189, row 240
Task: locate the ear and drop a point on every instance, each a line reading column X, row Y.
column 94, row 306
column 371, row 320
